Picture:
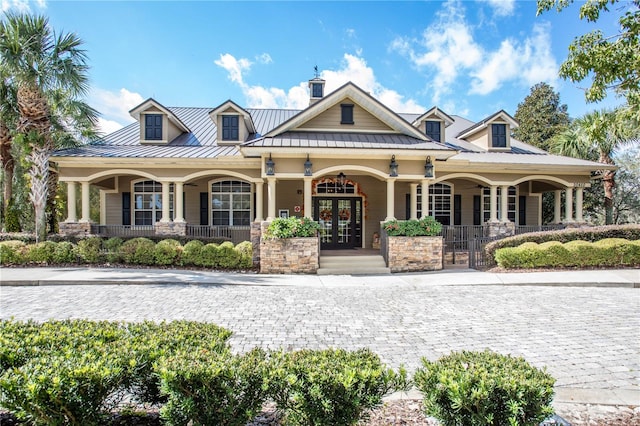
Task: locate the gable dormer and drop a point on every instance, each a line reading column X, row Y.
column 158, row 125
column 348, row 109
column 234, row 123
column 493, row 133
column 433, row 123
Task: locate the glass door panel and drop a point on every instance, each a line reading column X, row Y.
column 344, row 221
column 324, row 214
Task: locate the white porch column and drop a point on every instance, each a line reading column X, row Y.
column 271, row 198
column 579, row 193
column 504, row 204
column 179, row 216
column 493, row 191
column 390, row 199
column 568, row 206
column 557, row 203
column 71, row 202
column 308, row 205
column 86, row 212
column 425, row 197
column 414, row 201
column 259, row 201
column 166, row 210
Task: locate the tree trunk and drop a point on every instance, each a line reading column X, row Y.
column 7, row 165
column 609, row 183
column 39, row 173
column 52, row 207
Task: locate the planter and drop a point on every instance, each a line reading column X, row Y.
column 413, row 254
column 289, row 255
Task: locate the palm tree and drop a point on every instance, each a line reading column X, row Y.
column 8, row 123
column 42, row 65
column 597, row 136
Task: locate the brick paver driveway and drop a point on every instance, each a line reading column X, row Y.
column 587, row 337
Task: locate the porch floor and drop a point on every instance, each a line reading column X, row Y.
column 351, row 252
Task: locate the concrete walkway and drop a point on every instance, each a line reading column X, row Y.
column 583, row 326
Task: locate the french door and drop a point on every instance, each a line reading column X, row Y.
column 340, row 222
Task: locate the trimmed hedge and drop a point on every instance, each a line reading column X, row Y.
column 591, row 234
column 485, row 388
column 136, row 251
column 426, row 226
column 606, row 252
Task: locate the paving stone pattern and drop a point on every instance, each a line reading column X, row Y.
column 586, row 337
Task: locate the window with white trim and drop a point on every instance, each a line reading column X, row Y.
column 231, row 203
column 511, row 203
column 147, row 204
column 230, row 127
column 440, row 202
column 432, row 129
column 153, row 127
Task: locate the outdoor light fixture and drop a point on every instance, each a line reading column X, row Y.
column 428, row 168
column 342, row 179
column 307, row 167
column 270, row 166
column 393, row 167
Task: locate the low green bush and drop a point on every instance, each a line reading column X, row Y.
column 245, row 254
column 228, row 257
column 209, row 255
column 41, row 252
column 427, row 226
column 484, row 388
column 113, row 246
column 138, row 251
column 64, row 252
column 292, row 227
column 11, row 252
column 206, row 388
column 330, row 387
column 167, row 252
column 192, row 253
column 89, row 249
column 607, row 252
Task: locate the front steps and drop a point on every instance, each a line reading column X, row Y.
column 352, row 265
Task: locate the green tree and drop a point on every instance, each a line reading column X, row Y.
column 611, row 61
column 540, row 116
column 50, row 73
column 597, row 136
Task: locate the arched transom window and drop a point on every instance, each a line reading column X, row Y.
column 230, row 203
column 147, row 205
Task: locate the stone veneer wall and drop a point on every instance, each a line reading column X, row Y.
column 170, row 228
column 500, row 229
column 75, row 229
column 410, row 254
column 256, row 232
column 289, row 255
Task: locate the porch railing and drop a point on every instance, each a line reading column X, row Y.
column 522, row 229
column 235, row 234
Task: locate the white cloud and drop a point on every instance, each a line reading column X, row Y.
column 353, row 68
column 21, row 6
column 502, row 7
column 529, row 61
column 265, row 58
column 114, row 107
column 449, row 53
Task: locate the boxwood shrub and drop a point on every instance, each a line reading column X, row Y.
column 167, row 252
column 138, row 251
column 484, row 388
column 89, row 249
column 11, row 252
column 330, row 387
column 192, row 253
column 606, row 252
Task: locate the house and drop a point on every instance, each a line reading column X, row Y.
column 346, row 160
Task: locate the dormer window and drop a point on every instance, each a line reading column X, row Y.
column 346, row 114
column 433, row 130
column 153, row 127
column 498, row 135
column 230, row 127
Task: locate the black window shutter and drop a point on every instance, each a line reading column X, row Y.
column 407, row 206
column 522, row 210
column 476, row 210
column 204, row 208
column 126, row 208
column 457, row 209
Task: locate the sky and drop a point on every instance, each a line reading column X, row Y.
column 467, row 58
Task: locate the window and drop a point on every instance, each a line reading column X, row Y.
column 439, row 202
column 230, row 203
column 347, row 114
column 333, row 187
column 498, row 135
column 316, row 90
column 153, row 127
column 511, row 204
column 433, row 130
column 147, row 206
column 230, row 128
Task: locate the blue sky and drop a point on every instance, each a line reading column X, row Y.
column 468, row 58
